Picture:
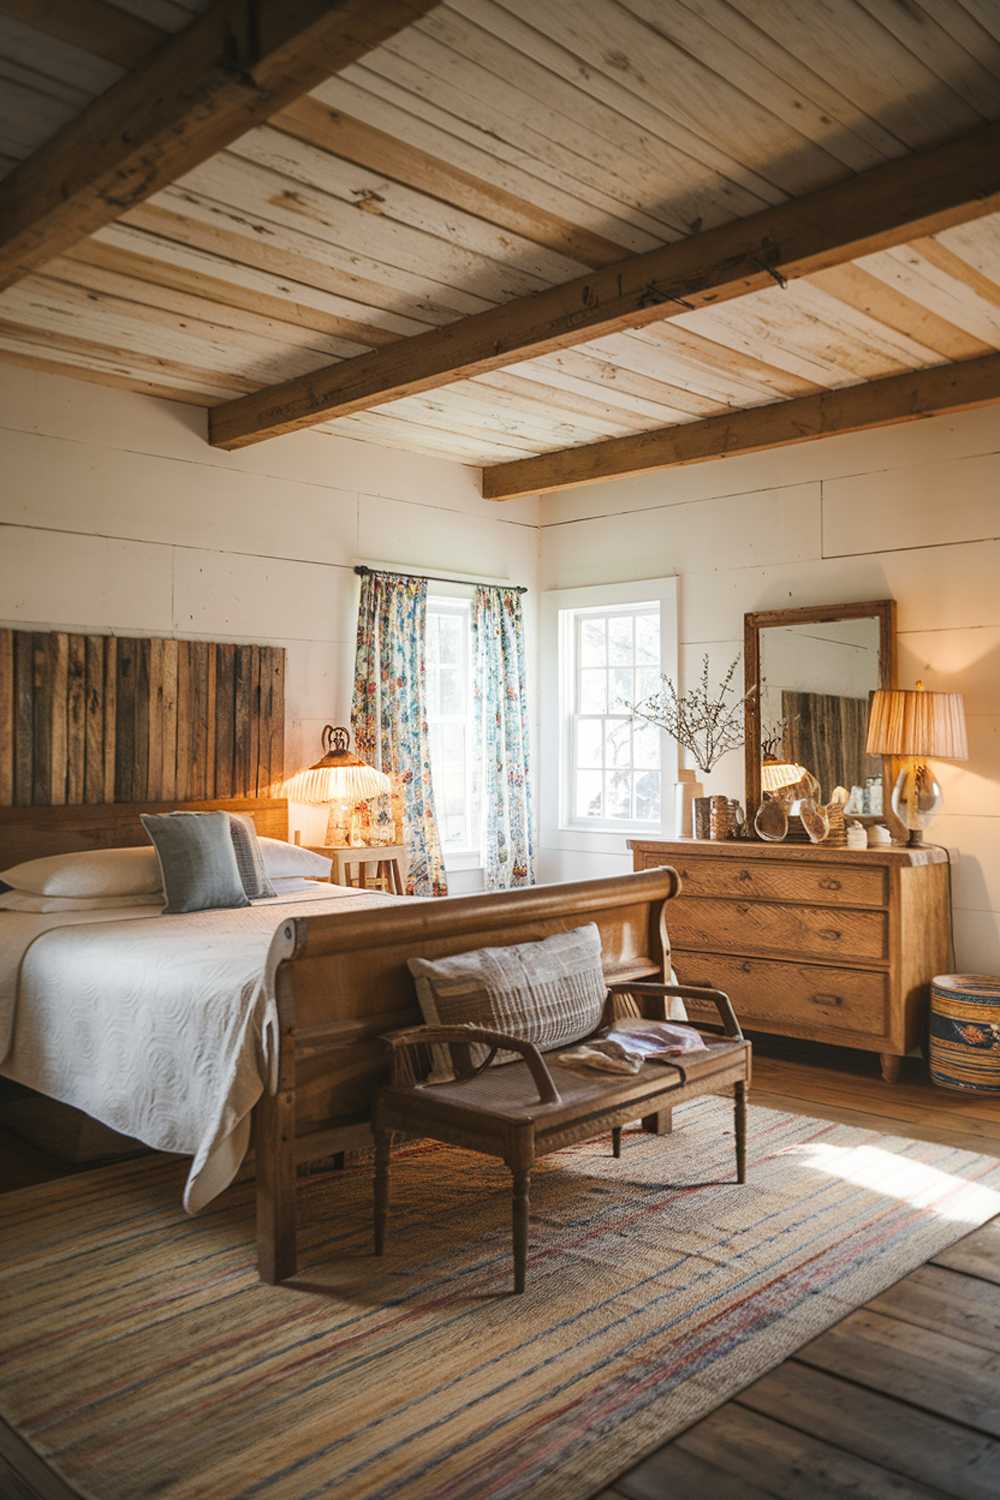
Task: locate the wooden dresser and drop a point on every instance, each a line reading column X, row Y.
column 834, row 945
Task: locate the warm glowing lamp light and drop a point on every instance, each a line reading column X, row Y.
column 339, row 777
column 775, row 774
column 915, row 724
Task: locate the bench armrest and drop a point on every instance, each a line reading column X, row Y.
column 463, row 1036
column 719, row 999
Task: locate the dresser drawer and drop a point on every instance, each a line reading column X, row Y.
column 773, row 880
column 802, row 998
column 802, row 931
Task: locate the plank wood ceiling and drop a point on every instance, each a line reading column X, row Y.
column 497, row 148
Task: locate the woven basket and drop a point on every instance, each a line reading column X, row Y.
column 965, row 1033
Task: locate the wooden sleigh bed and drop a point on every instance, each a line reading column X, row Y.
column 340, row 983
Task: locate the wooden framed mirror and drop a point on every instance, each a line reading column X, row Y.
column 809, row 674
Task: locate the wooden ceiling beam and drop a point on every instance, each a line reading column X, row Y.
column 895, row 202
column 875, row 403
column 233, row 67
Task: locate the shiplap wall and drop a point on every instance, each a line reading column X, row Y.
column 911, row 512
column 116, row 516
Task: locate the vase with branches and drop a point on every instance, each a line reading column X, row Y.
column 706, row 722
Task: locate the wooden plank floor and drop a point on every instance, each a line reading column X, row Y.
column 902, row 1398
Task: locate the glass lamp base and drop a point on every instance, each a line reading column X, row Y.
column 916, row 799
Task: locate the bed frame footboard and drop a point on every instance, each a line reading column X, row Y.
column 341, row 981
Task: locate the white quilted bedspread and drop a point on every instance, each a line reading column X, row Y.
column 160, row 1027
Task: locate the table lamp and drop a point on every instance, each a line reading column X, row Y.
column 915, row 724
column 775, row 774
column 339, row 778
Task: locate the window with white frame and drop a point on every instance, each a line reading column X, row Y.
column 450, row 723
column 613, row 772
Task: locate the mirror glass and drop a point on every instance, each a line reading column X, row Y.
column 816, row 680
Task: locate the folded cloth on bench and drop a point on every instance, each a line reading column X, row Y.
column 605, row 1055
column 624, row 1047
column 654, row 1039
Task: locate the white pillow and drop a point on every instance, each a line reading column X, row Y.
column 92, row 872
column 282, row 860
column 28, row 901
column 288, row 885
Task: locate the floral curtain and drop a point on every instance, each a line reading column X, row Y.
column 502, row 752
column 389, row 714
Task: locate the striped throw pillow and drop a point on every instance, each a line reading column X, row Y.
column 551, row 992
column 249, row 857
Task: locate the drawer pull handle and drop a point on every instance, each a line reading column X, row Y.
column 744, row 911
column 746, row 967
column 745, row 875
column 829, row 884
column 830, row 934
column 831, row 1000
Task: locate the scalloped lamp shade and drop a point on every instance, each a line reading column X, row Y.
column 339, row 777
column 911, row 721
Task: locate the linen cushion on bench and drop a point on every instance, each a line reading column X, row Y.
column 551, row 993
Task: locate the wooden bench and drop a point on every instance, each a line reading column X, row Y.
column 522, row 1111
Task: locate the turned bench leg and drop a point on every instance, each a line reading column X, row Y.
column 520, row 1225
column 383, row 1148
column 740, row 1091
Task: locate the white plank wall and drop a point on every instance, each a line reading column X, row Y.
column 116, row 515
column 911, row 512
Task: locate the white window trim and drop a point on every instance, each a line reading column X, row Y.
column 556, row 828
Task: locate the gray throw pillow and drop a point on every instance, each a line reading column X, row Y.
column 197, row 860
column 551, row 992
column 249, row 857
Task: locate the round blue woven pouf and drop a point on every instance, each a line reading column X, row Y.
column 965, row 1033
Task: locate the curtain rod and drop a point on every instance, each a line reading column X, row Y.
column 363, row 570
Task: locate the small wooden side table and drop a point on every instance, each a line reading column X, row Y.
column 351, row 866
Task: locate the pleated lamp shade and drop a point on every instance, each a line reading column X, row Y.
column 911, row 721
column 339, row 777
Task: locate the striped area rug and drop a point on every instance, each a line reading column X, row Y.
column 139, row 1356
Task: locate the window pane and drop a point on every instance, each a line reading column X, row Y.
column 589, row 733
column 645, row 747
column 647, row 640
column 618, row 788
column 647, row 795
column 620, row 649
column 589, row 801
column 592, row 647
column 452, row 746
column 593, row 691
column 622, row 688
column 451, row 629
column 449, row 710
column 618, row 742
column 647, row 682
column 452, row 692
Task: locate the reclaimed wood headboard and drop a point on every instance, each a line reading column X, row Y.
column 95, row 719
column 34, row 832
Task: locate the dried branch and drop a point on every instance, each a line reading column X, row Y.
column 705, row 722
